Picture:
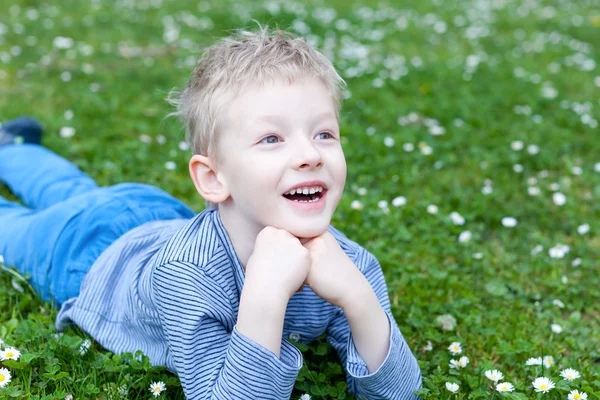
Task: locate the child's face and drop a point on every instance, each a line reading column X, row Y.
column 274, row 138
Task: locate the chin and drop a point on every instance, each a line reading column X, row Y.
column 308, row 232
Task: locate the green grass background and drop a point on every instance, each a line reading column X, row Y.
column 502, row 298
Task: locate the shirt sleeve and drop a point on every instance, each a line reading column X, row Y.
column 212, row 359
column 399, row 376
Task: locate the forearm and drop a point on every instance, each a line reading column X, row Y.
column 370, row 327
column 261, row 316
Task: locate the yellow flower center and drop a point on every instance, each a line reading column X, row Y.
column 157, row 389
column 2, row 378
column 576, row 396
column 10, row 354
column 542, row 386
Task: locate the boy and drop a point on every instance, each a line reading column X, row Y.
column 214, row 297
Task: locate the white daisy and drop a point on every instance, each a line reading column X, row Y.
column 576, row 395
column 157, row 388
column 453, row 387
column 558, row 251
column 61, row 42
column 399, row 201
column 559, row 199
column 10, row 353
column 447, row 321
column 518, row 168
column 456, row 218
column 533, row 149
column 460, row 363
column 558, row 303
column 505, row 387
column 534, row 361
column 432, row 209
column 67, row 132
column 4, row 377
column 494, row 375
column 464, row 236
column 509, row 222
column 517, row 145
column 305, row 396
column 428, row 346
column 570, row 374
column 583, row 229
column 356, row 205
column 455, row 348
column 543, row 384
column 537, row 250
column 556, row 328
column 548, row 361
column 408, row 147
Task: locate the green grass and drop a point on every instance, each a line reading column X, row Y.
column 500, row 294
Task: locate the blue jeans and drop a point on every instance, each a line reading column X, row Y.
column 69, row 220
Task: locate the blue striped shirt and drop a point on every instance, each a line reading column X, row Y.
column 172, row 289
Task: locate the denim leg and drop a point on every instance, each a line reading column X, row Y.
column 20, row 245
column 40, row 177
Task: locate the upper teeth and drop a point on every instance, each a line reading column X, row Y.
column 306, row 190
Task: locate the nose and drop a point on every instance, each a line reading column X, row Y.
column 308, row 155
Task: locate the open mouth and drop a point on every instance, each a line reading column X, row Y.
column 305, row 195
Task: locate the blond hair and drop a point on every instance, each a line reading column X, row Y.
column 236, row 62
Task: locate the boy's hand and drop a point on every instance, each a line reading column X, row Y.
column 279, row 263
column 276, row 269
column 333, row 276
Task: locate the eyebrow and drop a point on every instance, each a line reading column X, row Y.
column 276, row 118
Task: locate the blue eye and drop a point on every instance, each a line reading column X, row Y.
column 330, row 136
column 267, row 141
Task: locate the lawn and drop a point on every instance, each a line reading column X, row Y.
column 471, row 135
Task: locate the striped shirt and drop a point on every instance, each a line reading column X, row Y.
column 172, row 289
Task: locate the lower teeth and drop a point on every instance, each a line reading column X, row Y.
column 308, row 201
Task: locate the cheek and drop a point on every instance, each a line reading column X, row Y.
column 341, row 167
column 253, row 179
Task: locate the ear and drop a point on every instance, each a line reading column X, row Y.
column 207, row 180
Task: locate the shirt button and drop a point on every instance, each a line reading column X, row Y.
column 295, row 337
